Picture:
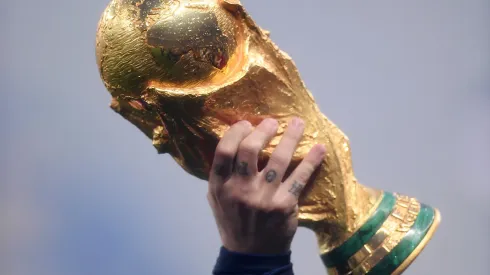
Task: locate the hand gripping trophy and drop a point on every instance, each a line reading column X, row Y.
column 184, row 71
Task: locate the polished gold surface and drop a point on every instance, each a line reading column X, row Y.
column 184, row 71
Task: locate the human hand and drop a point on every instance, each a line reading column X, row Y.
column 255, row 211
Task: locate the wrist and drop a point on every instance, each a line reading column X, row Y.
column 244, row 263
column 262, row 248
column 258, row 251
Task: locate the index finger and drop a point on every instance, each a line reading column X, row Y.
column 226, row 151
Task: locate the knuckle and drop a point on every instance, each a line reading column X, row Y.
column 256, row 205
column 305, row 172
column 250, row 147
column 225, row 152
column 238, row 195
column 247, row 202
column 235, row 196
column 268, row 208
column 292, row 137
column 279, row 160
column 281, row 208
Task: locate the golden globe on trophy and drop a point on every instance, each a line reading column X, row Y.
column 184, row 71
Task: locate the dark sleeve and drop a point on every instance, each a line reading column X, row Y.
column 232, row 263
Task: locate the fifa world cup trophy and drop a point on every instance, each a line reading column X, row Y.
column 184, row 71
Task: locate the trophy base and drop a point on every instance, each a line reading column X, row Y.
column 388, row 242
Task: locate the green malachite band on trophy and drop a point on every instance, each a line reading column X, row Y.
column 406, row 246
column 341, row 254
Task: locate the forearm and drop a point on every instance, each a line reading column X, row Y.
column 232, row 263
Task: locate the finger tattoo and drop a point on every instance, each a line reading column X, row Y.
column 270, row 176
column 222, row 170
column 296, row 189
column 242, row 168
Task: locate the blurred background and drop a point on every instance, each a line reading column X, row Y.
column 82, row 191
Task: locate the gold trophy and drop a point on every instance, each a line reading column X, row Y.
column 184, row 71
